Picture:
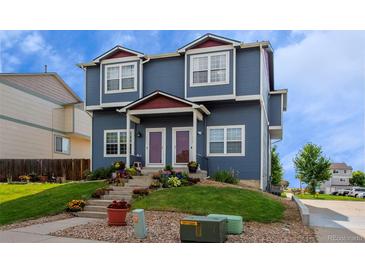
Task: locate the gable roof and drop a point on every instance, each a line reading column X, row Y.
column 116, row 49
column 162, row 93
column 340, row 166
column 206, row 37
column 48, row 86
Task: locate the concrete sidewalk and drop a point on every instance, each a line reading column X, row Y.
column 337, row 221
column 39, row 233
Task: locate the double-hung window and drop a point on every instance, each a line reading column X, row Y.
column 226, row 140
column 62, row 144
column 209, row 69
column 121, row 78
column 115, row 143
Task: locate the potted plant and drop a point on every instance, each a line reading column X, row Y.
column 117, row 212
column 193, row 166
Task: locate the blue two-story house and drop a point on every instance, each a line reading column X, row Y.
column 212, row 101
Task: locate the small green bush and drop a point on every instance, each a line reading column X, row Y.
column 173, row 182
column 100, row 173
column 169, row 167
column 225, row 176
column 131, row 171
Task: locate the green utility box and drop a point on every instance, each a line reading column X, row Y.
column 234, row 223
column 203, row 229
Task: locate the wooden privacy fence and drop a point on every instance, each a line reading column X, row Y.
column 72, row 169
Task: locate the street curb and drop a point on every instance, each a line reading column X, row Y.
column 304, row 211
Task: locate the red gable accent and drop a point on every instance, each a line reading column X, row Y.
column 210, row 43
column 160, row 101
column 120, row 54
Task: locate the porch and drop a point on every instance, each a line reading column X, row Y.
column 165, row 129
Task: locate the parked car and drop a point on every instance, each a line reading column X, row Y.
column 343, row 192
column 355, row 191
column 361, row 195
column 334, row 192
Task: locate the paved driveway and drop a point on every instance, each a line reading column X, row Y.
column 337, row 221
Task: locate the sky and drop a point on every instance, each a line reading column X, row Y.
column 324, row 72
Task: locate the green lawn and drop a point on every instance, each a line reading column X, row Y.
column 202, row 200
column 20, row 202
column 328, row 197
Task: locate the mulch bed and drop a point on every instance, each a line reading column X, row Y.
column 163, row 227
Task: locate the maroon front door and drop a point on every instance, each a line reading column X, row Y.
column 182, row 144
column 155, row 147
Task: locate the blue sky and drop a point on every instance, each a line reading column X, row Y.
column 323, row 70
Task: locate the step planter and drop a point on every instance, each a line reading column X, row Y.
column 116, row 217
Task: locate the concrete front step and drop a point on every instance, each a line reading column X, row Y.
column 97, row 202
column 117, row 197
column 92, row 214
column 94, row 208
column 121, row 192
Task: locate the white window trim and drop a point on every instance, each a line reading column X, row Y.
column 118, row 131
column 209, row 55
column 120, row 90
column 243, row 137
column 69, row 145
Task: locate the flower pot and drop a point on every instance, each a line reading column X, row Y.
column 117, row 216
column 192, row 169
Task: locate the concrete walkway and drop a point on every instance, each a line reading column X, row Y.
column 337, row 221
column 40, row 233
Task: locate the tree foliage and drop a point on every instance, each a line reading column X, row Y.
column 311, row 167
column 276, row 167
column 358, row 178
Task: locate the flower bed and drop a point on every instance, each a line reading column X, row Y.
column 168, row 177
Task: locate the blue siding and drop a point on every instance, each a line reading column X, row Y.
column 92, row 86
column 123, row 96
column 244, row 113
column 225, row 89
column 248, row 71
column 102, row 120
column 275, row 110
column 164, row 74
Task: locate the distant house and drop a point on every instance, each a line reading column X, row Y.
column 41, row 118
column 341, row 174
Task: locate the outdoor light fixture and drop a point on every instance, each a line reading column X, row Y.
column 139, row 134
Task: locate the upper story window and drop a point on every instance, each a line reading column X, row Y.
column 209, row 69
column 121, row 78
column 62, row 144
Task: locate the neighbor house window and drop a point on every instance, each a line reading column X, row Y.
column 115, row 142
column 62, row 144
column 226, row 141
column 209, row 69
column 121, row 78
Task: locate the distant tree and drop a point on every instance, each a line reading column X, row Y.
column 358, row 178
column 311, row 166
column 276, row 167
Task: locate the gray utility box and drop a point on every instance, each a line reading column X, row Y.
column 203, row 229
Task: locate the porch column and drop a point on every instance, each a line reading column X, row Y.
column 128, row 139
column 194, row 143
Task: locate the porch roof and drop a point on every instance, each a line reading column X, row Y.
column 160, row 101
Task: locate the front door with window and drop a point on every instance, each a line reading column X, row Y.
column 155, row 147
column 181, row 146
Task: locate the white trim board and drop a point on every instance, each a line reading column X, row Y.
column 174, row 130
column 163, row 148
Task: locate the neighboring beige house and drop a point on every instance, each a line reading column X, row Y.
column 341, row 174
column 42, row 118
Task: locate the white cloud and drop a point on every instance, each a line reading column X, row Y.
column 324, row 72
column 33, row 42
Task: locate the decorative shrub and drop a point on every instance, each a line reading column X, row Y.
column 33, row 177
column 119, row 205
column 75, row 205
column 99, row 192
column 140, row 192
column 173, row 182
column 155, row 184
column 169, row 168
column 225, row 176
column 131, row 171
column 43, row 178
column 100, row 173
column 118, row 165
column 24, row 178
